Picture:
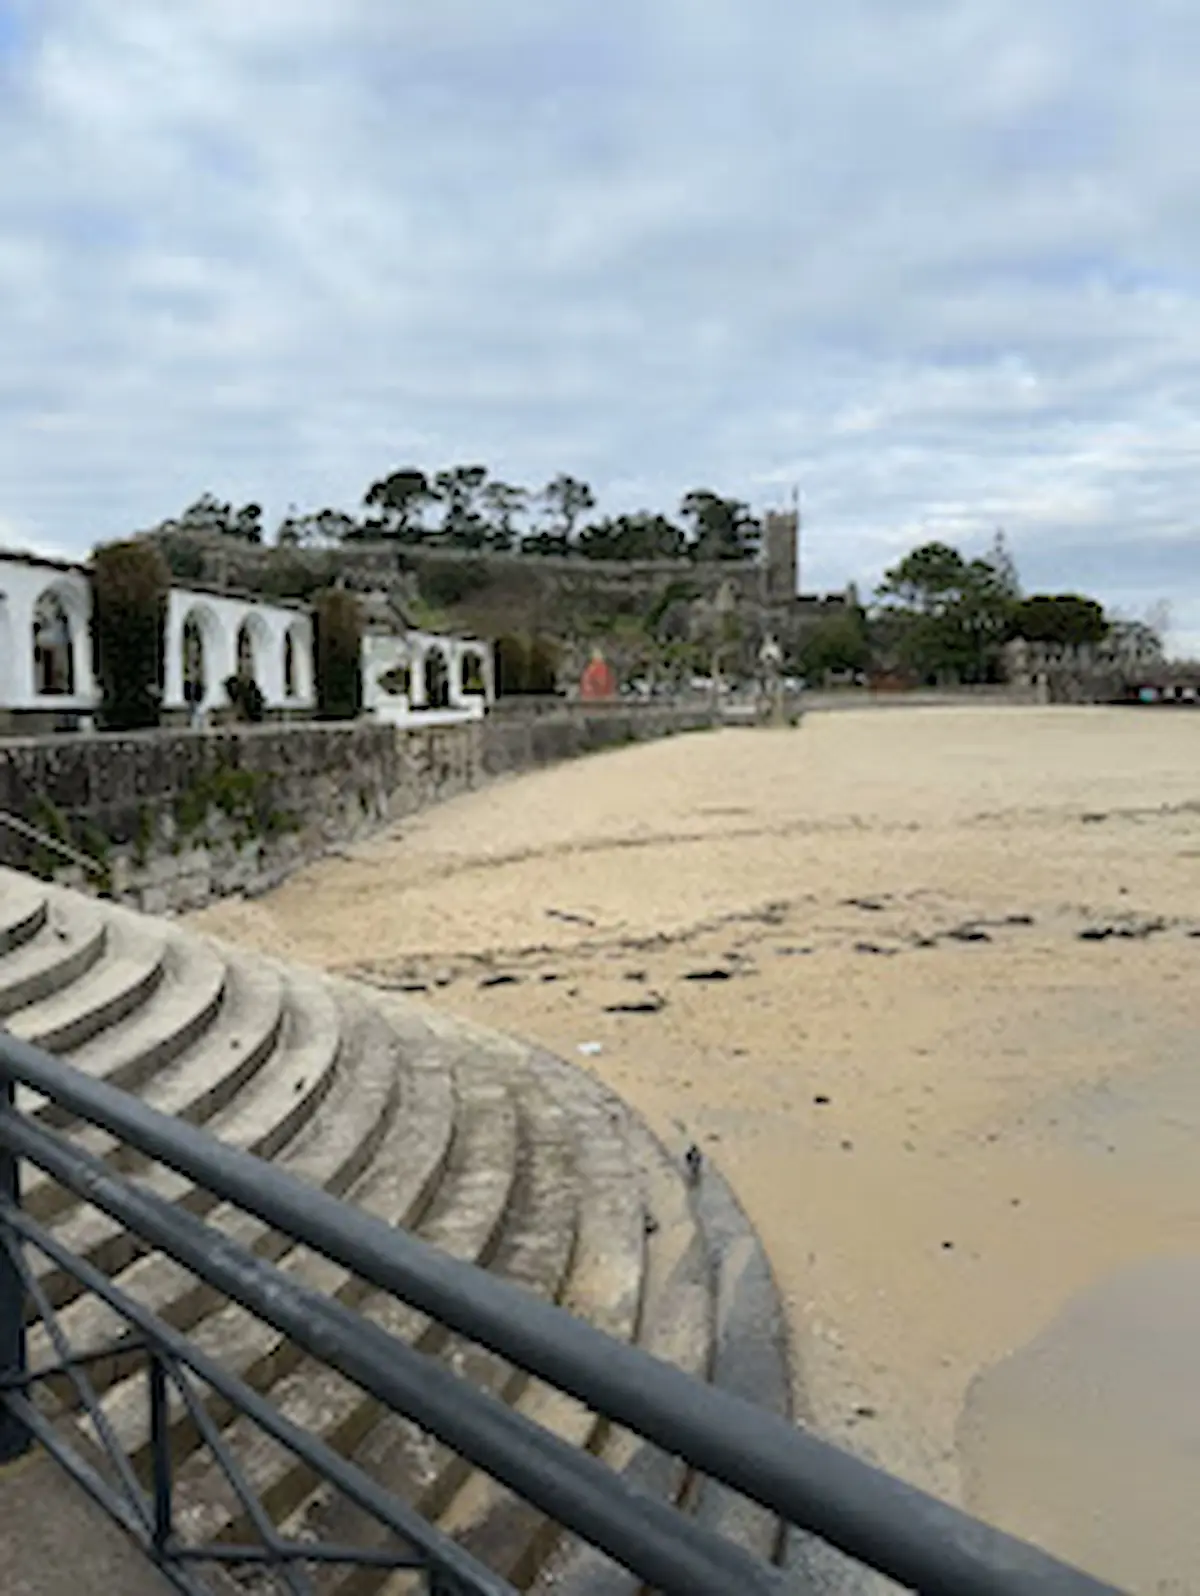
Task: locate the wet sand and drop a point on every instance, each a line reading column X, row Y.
column 924, row 983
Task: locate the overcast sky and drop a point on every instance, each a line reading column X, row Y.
column 936, row 261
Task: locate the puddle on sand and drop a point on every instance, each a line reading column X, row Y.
column 1087, row 1440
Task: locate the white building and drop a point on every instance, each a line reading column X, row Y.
column 212, row 636
column 423, row 676
column 46, row 655
column 45, row 638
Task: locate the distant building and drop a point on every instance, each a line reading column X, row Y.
column 781, row 556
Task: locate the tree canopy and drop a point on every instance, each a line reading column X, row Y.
column 940, row 616
column 465, row 507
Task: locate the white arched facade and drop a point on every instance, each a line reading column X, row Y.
column 45, row 637
column 425, row 677
column 266, row 638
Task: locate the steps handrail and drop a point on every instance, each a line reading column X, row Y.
column 47, row 841
column 921, row 1542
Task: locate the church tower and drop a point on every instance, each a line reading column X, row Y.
column 781, row 554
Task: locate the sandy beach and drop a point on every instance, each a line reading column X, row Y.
column 923, row 981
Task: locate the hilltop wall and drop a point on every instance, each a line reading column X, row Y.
column 570, row 598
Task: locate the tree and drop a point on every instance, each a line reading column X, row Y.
column 399, row 501
column 209, row 516
column 502, row 504
column 721, row 529
column 1000, row 558
column 1136, row 639
column 943, row 616
column 459, row 489
column 321, row 529
column 545, row 543
column 247, row 524
column 642, row 536
column 130, row 583
column 837, row 643
column 926, row 580
column 564, row 500
column 1067, row 619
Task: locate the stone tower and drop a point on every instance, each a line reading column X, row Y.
column 781, row 555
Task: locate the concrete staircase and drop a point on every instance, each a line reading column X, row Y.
column 491, row 1149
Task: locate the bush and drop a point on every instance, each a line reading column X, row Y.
column 543, row 666
column 526, row 665
column 246, row 697
column 338, row 628
column 512, row 665
column 130, row 582
column 185, row 560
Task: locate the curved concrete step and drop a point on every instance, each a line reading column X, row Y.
column 205, row 1032
column 23, row 908
column 465, row 1218
column 282, row 1097
column 492, row 1150
column 347, row 1133
column 536, row 1249
column 751, row 1356
column 120, row 981
column 605, row 1288
column 331, row 1149
column 675, row 1324
column 63, row 948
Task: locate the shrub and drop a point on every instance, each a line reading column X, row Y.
column 338, row 628
column 185, row 559
column 526, row 665
column 512, row 665
column 543, row 666
column 130, row 582
column 246, row 697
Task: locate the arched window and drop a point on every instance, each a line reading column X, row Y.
column 472, row 673
column 437, row 680
column 195, row 681
column 290, row 686
column 53, row 650
column 245, row 653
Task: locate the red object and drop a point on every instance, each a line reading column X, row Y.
column 599, row 680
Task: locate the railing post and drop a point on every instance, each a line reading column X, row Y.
column 15, row 1439
column 160, row 1447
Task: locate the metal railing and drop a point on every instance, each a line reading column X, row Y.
column 54, row 844
column 810, row 1484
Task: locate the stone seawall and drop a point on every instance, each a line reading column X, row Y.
column 170, row 820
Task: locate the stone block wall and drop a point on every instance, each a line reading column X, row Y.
column 171, row 819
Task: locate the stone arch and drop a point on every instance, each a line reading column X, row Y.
column 53, row 640
column 436, row 669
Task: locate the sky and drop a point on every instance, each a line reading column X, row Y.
column 934, row 262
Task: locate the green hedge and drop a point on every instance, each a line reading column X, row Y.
column 130, row 583
column 338, row 628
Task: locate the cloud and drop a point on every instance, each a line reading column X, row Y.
column 934, row 262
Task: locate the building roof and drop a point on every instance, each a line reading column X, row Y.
column 45, row 561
